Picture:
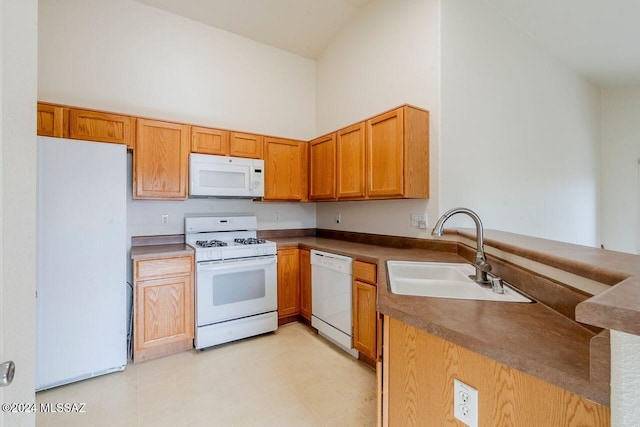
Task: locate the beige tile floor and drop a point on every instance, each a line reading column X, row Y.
column 292, row 377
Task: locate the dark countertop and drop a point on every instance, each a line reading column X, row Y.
column 532, row 338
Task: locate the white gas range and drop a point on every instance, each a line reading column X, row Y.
column 236, row 279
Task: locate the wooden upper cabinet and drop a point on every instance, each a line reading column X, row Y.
column 397, row 154
column 161, row 160
column 322, row 168
column 246, row 145
column 351, row 162
column 285, row 168
column 385, row 155
column 53, row 120
column 102, row 127
column 209, row 141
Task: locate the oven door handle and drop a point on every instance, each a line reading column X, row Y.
column 232, row 264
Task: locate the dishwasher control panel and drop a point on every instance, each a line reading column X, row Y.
column 331, row 261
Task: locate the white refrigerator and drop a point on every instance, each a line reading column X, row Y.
column 81, row 326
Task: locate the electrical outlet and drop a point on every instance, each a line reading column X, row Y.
column 419, row 220
column 465, row 403
column 276, row 216
column 164, row 219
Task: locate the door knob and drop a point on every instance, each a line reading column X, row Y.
column 7, row 371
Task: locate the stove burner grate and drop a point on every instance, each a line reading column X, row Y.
column 210, row 243
column 249, row 241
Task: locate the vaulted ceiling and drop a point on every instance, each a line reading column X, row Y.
column 599, row 39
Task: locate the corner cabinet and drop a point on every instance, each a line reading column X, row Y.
column 322, row 168
column 163, row 306
column 285, row 168
column 397, row 154
column 305, row 284
column 288, row 284
column 365, row 319
column 161, row 160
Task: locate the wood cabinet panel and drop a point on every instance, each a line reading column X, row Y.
column 52, row 120
column 246, row 145
column 159, row 267
column 285, row 164
column 385, row 155
column 419, row 369
column 351, row 162
column 364, row 319
column 163, row 307
column 365, row 272
column 209, row 141
column 163, row 304
column 305, row 284
column 161, row 160
column 322, row 168
column 288, row 282
column 102, row 127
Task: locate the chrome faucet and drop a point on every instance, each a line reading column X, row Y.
column 481, row 264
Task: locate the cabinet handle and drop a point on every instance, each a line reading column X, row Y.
column 7, row 372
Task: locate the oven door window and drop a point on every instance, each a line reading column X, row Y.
column 233, row 290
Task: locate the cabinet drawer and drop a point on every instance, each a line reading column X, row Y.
column 163, row 267
column 365, row 272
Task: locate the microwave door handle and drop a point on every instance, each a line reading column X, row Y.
column 231, row 264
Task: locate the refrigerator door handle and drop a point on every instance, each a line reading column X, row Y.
column 7, row 372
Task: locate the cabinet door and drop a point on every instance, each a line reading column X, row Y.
column 161, row 160
column 322, row 168
column 385, row 155
column 209, row 141
column 305, row 284
column 351, row 161
column 102, row 127
column 164, row 311
column 52, row 120
column 246, row 145
column 288, row 282
column 364, row 318
column 285, row 169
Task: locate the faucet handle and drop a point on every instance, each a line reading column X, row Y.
column 483, row 266
column 497, row 285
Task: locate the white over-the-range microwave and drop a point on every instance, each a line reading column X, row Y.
column 224, row 176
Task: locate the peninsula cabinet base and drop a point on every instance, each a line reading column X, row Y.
column 417, row 389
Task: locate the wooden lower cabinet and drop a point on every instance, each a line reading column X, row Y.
column 365, row 319
column 288, row 283
column 305, row 284
column 163, row 306
column 417, row 390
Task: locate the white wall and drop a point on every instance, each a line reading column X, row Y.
column 387, row 56
column 122, row 56
column 620, row 170
column 520, row 131
column 18, row 68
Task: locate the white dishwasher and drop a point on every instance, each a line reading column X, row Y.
column 331, row 298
